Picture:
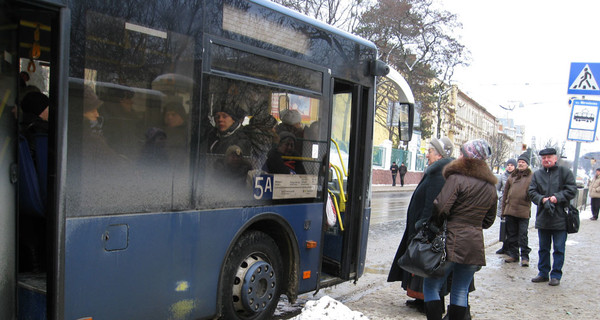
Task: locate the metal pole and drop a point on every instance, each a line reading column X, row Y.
column 576, row 161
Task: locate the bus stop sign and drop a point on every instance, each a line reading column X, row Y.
column 583, row 79
column 584, row 120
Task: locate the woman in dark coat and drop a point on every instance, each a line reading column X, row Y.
column 419, row 210
column 468, row 202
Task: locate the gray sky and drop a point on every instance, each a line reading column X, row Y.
column 522, row 52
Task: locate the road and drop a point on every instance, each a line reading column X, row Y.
column 503, row 290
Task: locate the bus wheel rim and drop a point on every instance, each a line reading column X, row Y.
column 258, row 285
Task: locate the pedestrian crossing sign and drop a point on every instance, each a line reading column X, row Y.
column 584, row 78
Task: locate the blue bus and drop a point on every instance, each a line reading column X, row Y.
column 199, row 158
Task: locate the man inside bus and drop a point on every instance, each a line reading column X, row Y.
column 228, row 130
column 278, row 159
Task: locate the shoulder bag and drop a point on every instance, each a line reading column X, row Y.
column 572, row 219
column 426, row 252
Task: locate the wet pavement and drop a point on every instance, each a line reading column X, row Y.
column 503, row 290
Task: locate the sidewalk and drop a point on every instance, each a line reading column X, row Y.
column 389, row 188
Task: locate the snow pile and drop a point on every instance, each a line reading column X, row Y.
column 327, row 308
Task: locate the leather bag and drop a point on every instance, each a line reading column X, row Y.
column 572, row 219
column 426, row 252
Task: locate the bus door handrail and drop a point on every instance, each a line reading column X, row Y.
column 340, row 155
column 340, row 179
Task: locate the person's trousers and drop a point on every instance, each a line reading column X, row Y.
column 393, row 179
column 462, row 275
column 402, row 180
column 546, row 239
column 516, row 237
column 595, row 207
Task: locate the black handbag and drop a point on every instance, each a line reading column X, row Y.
column 502, row 236
column 426, row 255
column 572, row 219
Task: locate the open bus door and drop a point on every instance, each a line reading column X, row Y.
column 31, row 45
column 345, row 244
column 8, row 160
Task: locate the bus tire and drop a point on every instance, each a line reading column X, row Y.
column 252, row 278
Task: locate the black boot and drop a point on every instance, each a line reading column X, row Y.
column 467, row 314
column 433, row 309
column 456, row 312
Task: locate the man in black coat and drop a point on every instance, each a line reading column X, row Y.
column 419, row 210
column 394, row 170
column 402, row 170
column 552, row 188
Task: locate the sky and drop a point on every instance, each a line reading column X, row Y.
column 521, row 54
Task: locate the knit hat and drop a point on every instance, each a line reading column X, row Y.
column 443, row 146
column 286, row 135
column 511, row 161
column 477, row 149
column 35, row 103
column 525, row 157
column 177, row 108
column 291, row 117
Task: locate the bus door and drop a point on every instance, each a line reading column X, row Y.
column 8, row 159
column 345, row 241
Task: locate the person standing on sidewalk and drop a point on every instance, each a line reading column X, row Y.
column 595, row 195
column 394, row 170
column 551, row 189
column 468, row 203
column 516, row 211
column 511, row 164
column 420, row 209
column 402, row 171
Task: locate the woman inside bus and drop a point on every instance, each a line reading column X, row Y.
column 35, row 106
column 278, row 159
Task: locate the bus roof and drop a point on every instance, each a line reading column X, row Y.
column 315, row 22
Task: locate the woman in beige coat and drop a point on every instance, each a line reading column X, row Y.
column 595, row 195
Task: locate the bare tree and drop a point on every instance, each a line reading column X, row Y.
column 501, row 148
column 343, row 14
column 418, row 39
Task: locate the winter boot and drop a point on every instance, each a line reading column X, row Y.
column 456, row 312
column 467, row 314
column 433, row 309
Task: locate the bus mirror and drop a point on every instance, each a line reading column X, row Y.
column 379, row 68
column 405, row 121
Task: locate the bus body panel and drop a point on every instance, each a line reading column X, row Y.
column 166, row 265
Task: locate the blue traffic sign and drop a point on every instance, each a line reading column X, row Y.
column 584, row 120
column 583, row 78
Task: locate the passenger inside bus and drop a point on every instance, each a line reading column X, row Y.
column 35, row 107
column 122, row 127
column 228, row 130
column 278, row 159
column 291, row 121
column 33, row 177
column 175, row 122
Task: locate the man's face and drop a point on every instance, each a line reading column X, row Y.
column 548, row 161
column 522, row 165
column 223, row 121
column 432, row 156
column 510, row 167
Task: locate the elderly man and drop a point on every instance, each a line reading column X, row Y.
column 420, row 209
column 551, row 189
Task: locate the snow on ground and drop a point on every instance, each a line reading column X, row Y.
column 327, row 308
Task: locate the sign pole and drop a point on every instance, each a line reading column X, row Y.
column 576, row 161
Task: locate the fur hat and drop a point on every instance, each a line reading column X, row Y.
column 291, row 117
column 512, row 161
column 477, row 149
column 525, row 157
column 35, row 103
column 443, row 146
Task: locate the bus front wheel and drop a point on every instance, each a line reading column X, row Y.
column 252, row 278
